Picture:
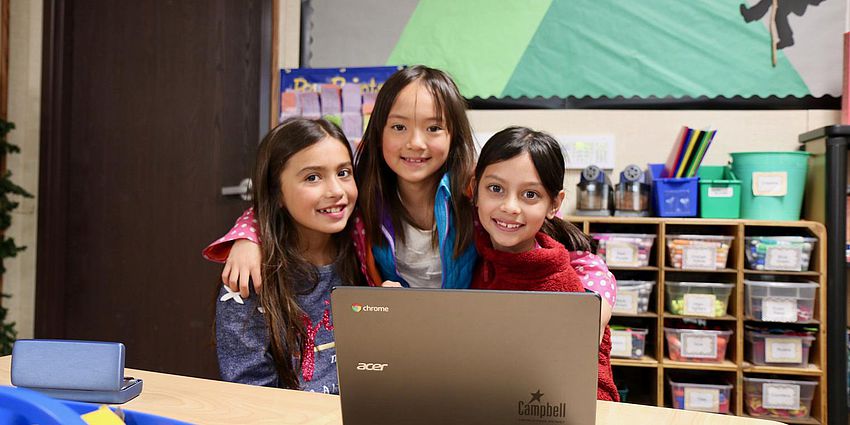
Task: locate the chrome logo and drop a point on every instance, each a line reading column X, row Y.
column 356, row 307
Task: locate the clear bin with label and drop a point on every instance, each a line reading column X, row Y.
column 778, row 398
column 780, row 301
column 787, row 253
column 698, row 252
column 701, row 397
column 633, row 296
column 628, row 343
column 624, row 249
column 697, row 345
column 698, row 298
column 768, row 349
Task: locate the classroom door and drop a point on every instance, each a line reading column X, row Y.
column 149, row 108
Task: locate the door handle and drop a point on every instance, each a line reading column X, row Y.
column 243, row 190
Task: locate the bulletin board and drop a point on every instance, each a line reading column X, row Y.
column 718, row 49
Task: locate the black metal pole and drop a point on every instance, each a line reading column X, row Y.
column 836, row 291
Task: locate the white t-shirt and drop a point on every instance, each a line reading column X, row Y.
column 418, row 261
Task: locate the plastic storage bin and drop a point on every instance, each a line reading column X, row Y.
column 772, row 183
column 624, row 249
column 698, row 298
column 23, row 406
column 780, row 301
column 697, row 345
column 672, row 197
column 719, row 192
column 701, row 397
column 633, row 296
column 628, row 343
column 789, row 253
column 778, row 398
column 778, row 349
column 698, row 252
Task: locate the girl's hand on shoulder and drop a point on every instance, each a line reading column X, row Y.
column 243, row 264
column 391, row 284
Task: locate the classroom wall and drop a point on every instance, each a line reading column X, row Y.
column 641, row 136
column 25, row 111
column 647, row 136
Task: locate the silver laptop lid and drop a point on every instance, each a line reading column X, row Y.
column 420, row 356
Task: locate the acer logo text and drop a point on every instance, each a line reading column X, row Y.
column 371, row 366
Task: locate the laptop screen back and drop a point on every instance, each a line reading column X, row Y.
column 418, row 356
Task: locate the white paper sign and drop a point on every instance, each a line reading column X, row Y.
column 621, row 254
column 621, row 344
column 779, row 309
column 784, row 258
column 783, row 350
column 770, row 184
column 699, row 304
column 720, row 192
column 581, row 151
column 627, row 302
column 699, row 257
column 702, row 399
column 780, row 396
column 699, row 346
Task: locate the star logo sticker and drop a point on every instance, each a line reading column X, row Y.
column 536, row 396
column 231, row 295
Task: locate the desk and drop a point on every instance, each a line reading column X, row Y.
column 214, row 402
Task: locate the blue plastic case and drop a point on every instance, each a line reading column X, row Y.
column 88, row 371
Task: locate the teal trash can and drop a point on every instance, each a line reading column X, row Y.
column 772, row 183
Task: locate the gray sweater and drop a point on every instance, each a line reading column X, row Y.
column 242, row 341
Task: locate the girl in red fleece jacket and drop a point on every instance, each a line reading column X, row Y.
column 522, row 244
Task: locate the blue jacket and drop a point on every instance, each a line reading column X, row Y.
column 457, row 272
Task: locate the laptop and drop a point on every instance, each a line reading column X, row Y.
column 431, row 356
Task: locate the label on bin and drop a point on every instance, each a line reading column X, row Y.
column 721, row 192
column 699, row 304
column 779, row 309
column 770, row 184
column 699, row 346
column 627, row 302
column 783, row 350
column 780, row 396
column 700, row 257
column 702, row 399
column 621, row 344
column 784, row 258
column 621, row 254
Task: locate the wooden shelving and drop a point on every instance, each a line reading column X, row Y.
column 645, row 361
column 652, row 372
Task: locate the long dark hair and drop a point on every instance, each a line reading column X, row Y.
column 545, row 153
column 285, row 272
column 378, row 184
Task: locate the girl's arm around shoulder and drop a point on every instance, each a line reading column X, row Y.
column 244, row 228
column 594, row 275
column 239, row 250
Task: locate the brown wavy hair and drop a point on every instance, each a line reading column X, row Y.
column 286, row 274
column 378, row 184
column 545, row 153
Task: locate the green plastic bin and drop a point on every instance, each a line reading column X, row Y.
column 719, row 192
column 772, row 183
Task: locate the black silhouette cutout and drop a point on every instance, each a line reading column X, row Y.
column 783, row 9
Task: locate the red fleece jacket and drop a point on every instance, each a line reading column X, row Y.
column 546, row 268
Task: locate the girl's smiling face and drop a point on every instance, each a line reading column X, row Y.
column 318, row 190
column 513, row 203
column 415, row 140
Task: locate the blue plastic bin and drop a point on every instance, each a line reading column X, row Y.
column 24, row 407
column 672, row 197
